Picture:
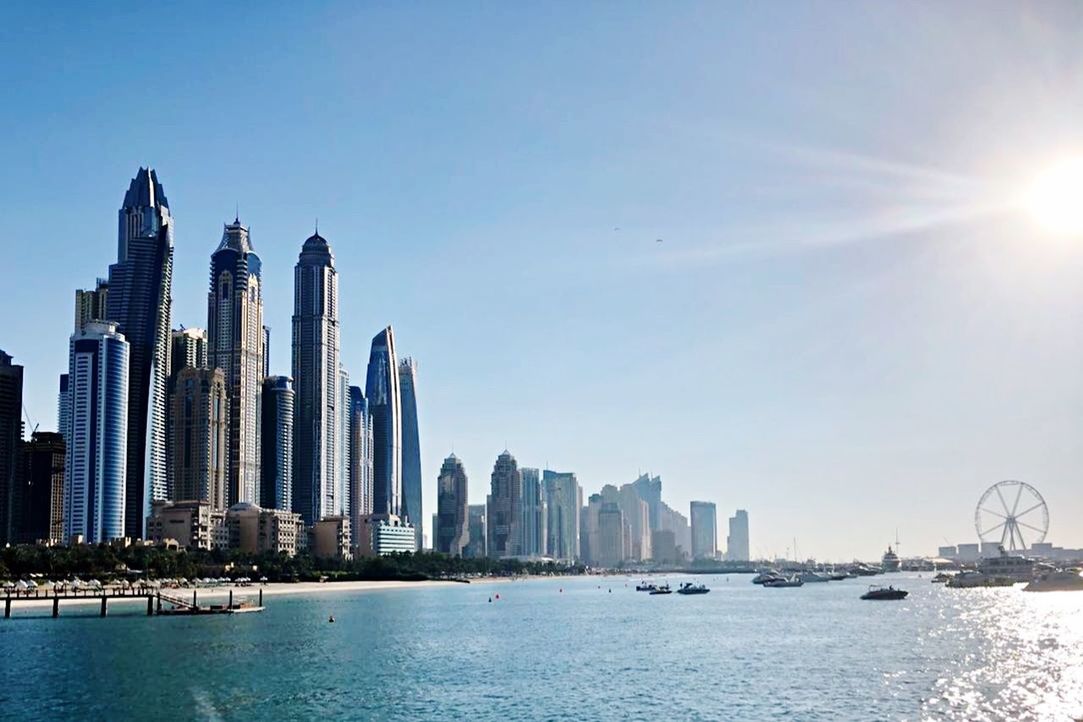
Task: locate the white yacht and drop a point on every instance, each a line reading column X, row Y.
column 1008, row 566
column 890, row 562
column 1066, row 581
column 813, row 576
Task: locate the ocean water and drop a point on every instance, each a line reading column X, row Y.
column 567, row 649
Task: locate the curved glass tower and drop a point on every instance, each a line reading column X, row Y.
column 411, row 446
column 139, row 303
column 236, row 345
column 315, row 378
column 97, row 435
column 385, row 405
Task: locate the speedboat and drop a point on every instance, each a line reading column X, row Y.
column 884, row 593
column 783, row 582
column 645, row 587
column 690, row 588
column 664, row 589
column 1065, row 581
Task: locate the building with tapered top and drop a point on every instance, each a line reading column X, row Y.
column 385, row 405
column 451, row 530
column 505, row 509
column 235, row 343
column 315, row 379
column 139, row 301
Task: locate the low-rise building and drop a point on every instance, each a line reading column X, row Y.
column 281, row 531
column 330, row 538
column 192, row 524
column 383, row 534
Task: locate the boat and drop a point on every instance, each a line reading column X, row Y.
column 811, row 576
column 884, row 593
column 942, row 577
column 859, row 569
column 1008, row 566
column 890, row 561
column 783, row 582
column 690, row 588
column 644, row 587
column 970, row 579
column 663, row 589
column 1068, row 580
column 766, row 576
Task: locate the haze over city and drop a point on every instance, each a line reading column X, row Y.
column 786, row 262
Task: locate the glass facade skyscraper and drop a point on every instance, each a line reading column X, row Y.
column 411, row 446
column 360, row 466
column 236, row 345
column 704, row 529
column 95, row 481
column 139, row 303
column 533, row 526
column 11, row 437
column 564, row 499
column 385, row 405
column 276, row 447
column 316, row 378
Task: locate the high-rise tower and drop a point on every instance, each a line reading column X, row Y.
column 11, row 438
column 235, row 343
column 94, row 482
column 315, row 377
column 385, row 405
column 276, row 448
column 411, row 446
column 505, row 508
column 139, row 302
column 451, row 533
column 360, row 466
column 200, row 426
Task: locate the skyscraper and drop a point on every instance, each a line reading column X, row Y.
column 139, row 302
column 704, row 530
column 315, row 378
column 385, row 405
column 235, row 345
column 563, row 497
column 63, row 406
column 411, row 446
column 637, row 515
column 360, row 476
column 41, row 512
column 11, row 438
column 95, row 483
column 452, row 528
column 533, row 527
column 650, row 490
column 611, row 542
column 505, row 508
column 737, row 545
column 91, row 305
column 200, row 423
column 477, row 546
column 188, row 347
column 276, row 447
column 342, row 444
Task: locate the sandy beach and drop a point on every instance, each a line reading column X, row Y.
column 251, row 591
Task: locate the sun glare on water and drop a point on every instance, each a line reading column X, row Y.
column 1055, row 198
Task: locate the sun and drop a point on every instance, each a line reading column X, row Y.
column 1055, row 198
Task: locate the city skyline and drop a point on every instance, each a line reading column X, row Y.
column 837, row 359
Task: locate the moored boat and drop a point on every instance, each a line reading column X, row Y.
column 645, row 587
column 663, row 589
column 1068, row 580
column 784, row 582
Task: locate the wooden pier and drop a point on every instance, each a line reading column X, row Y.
column 154, row 599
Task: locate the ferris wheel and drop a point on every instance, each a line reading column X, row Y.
column 1012, row 513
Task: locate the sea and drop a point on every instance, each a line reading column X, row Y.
column 587, row 648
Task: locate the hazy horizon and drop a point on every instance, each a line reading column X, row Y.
column 770, row 253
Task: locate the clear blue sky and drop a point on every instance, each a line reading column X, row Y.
column 845, row 331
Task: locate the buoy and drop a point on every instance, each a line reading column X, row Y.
column 331, row 619
column 498, row 596
column 490, row 600
column 562, row 590
column 610, row 591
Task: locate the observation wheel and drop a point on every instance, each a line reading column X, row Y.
column 1012, row 513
